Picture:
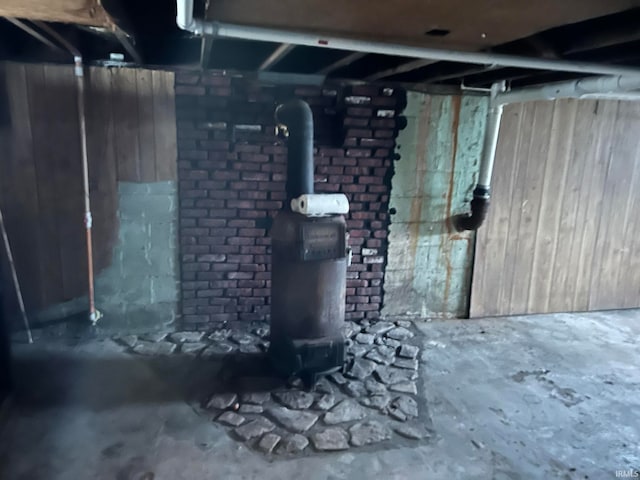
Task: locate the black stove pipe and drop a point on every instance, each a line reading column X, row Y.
column 297, row 117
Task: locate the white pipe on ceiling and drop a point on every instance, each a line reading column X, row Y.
column 610, row 87
column 185, row 21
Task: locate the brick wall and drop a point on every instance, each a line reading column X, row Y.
column 231, row 171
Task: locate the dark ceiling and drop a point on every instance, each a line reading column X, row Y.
column 155, row 41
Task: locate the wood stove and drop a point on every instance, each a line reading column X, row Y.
column 309, row 262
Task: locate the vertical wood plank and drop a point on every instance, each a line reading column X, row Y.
column 164, row 119
column 562, row 272
column 146, row 131
column 102, row 166
column 628, row 280
column 593, row 192
column 507, row 290
column 491, row 241
column 125, row 119
column 604, row 291
column 532, row 189
column 553, row 190
column 40, row 108
column 65, row 168
column 19, row 188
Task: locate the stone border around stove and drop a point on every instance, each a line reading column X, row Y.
column 374, row 403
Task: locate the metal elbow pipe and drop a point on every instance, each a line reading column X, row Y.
column 297, row 118
column 479, row 211
column 482, row 193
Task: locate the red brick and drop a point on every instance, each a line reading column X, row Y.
column 241, row 204
column 212, row 257
column 223, row 213
column 210, row 276
column 359, row 112
column 226, row 175
column 356, row 122
column 358, row 152
column 359, row 132
column 254, row 157
column 240, row 258
column 376, row 142
column 240, row 275
column 251, row 283
column 384, row 134
column 368, row 291
column 241, row 241
column 225, row 248
column 242, row 223
column 224, row 267
column 248, row 166
column 209, row 203
column 354, row 188
column 367, row 307
column 252, row 232
column 212, row 185
column 389, row 102
column 370, row 180
column 252, row 267
column 244, row 185
column 211, row 222
column 333, row 170
column 268, row 205
column 224, row 283
column 383, row 122
column 254, row 195
column 239, row 292
column 215, row 144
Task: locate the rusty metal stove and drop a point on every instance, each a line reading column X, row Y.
column 309, row 262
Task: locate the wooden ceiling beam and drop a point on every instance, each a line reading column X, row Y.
column 343, row 62
column 278, row 54
column 127, row 43
column 206, row 47
column 463, row 72
column 625, row 34
column 402, row 68
column 35, row 34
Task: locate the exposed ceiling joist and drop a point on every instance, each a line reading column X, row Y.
column 206, row 47
column 71, row 48
column 403, row 68
column 126, row 42
column 460, row 73
column 343, row 62
column 34, row 33
column 82, row 12
column 278, row 54
column 625, row 34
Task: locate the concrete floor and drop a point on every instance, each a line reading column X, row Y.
column 553, row 396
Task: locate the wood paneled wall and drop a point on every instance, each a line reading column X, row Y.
column 563, row 232
column 131, row 137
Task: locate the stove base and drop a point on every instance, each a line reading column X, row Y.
column 308, row 359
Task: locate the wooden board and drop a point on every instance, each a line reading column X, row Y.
column 472, row 24
column 131, row 136
column 85, row 12
column 572, row 187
